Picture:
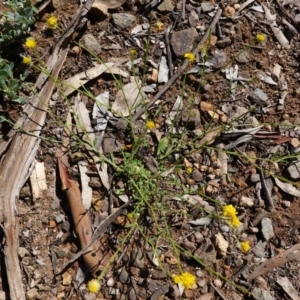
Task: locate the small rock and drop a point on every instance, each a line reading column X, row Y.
column 258, row 96
column 218, row 283
column 294, row 170
column 197, row 175
column 191, row 118
column 60, row 218
column 244, row 57
column 286, row 203
column 124, row 276
column 208, row 254
column 67, row 278
column 32, row 294
column 132, row 294
column 123, row 20
column 111, row 145
column 206, row 106
column 153, row 285
column 91, row 44
column 193, row 19
column 175, row 293
column 137, row 258
column 225, row 228
column 98, row 10
column 221, row 244
column 207, row 7
column 158, row 274
column 160, row 292
column 229, row 12
column 246, row 201
column 22, row 252
column 62, row 252
column 267, row 228
column 260, row 294
column 259, row 249
column 182, row 41
column 188, row 294
column 166, row 6
column 295, row 142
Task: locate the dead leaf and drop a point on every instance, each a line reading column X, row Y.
column 287, row 187
column 111, row 3
column 127, row 98
column 210, row 137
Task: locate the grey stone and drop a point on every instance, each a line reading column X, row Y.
column 123, row 20
column 191, row 118
column 259, row 249
column 132, row 294
column 260, row 294
column 124, row 276
column 137, row 258
column 166, row 6
column 60, row 218
column 91, row 44
column 158, row 274
column 244, row 57
column 193, row 18
column 258, row 96
column 197, row 175
column 207, row 7
column 267, row 228
column 182, row 41
column 110, row 145
column 62, row 252
column 153, row 285
column 294, row 170
column 160, row 292
column 208, row 253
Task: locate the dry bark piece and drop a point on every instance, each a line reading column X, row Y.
column 20, row 150
column 276, row 261
column 76, row 81
column 38, row 180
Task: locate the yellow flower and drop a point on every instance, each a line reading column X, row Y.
column 187, row 280
column 52, row 22
column 235, row 222
column 158, row 26
column 189, row 170
column 27, row 60
column 190, row 56
column 229, row 211
column 30, row 43
column 150, row 125
column 245, row 246
column 132, row 52
column 93, row 286
column 130, row 216
column 260, row 37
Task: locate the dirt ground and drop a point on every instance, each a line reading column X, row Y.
column 257, row 169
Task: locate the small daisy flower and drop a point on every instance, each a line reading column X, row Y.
column 158, row 26
column 93, row 286
column 229, row 211
column 27, row 60
column 189, row 170
column 260, row 37
column 52, row 22
column 150, row 125
column 132, row 52
column 245, row 246
column 30, row 43
column 235, row 222
column 186, row 279
column 189, row 56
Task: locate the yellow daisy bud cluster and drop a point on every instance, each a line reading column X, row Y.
column 229, row 211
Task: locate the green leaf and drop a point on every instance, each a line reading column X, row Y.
column 162, row 146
